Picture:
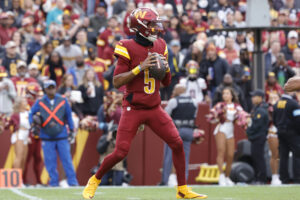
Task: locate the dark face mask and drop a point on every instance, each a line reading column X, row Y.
column 245, row 61
column 80, row 63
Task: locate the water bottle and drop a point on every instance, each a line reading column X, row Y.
column 211, row 72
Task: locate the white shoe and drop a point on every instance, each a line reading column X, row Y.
column 222, row 180
column 172, row 180
column 64, row 184
column 275, row 180
column 229, row 182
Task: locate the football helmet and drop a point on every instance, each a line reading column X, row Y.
column 33, row 89
column 146, row 22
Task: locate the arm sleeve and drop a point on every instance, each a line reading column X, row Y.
column 69, row 116
column 257, row 122
column 172, row 104
column 167, row 80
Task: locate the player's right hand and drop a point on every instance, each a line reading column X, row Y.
column 148, row 62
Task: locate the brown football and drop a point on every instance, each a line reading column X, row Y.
column 159, row 70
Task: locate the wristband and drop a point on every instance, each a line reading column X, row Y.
column 137, row 70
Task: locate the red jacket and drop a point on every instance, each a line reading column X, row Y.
column 276, row 88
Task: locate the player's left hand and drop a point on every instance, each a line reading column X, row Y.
column 165, row 61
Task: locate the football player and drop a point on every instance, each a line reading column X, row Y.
column 141, row 104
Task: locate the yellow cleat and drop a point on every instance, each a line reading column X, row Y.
column 91, row 187
column 184, row 192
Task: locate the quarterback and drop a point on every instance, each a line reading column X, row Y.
column 141, row 104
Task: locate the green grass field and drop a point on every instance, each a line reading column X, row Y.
column 156, row 193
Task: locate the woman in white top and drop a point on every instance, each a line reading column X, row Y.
column 225, row 114
column 20, row 137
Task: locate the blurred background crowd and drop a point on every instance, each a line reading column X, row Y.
column 72, row 42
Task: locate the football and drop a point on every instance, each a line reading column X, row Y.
column 159, row 70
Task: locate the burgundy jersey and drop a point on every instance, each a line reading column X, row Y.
column 143, row 91
column 21, row 84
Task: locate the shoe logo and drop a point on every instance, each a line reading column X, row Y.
column 181, row 194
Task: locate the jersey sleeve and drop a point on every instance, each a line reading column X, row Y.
column 122, row 66
column 122, row 51
column 166, row 53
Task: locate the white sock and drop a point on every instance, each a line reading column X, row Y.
column 275, row 176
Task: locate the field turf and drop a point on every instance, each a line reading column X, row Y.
column 287, row 192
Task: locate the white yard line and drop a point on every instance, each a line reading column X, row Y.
column 22, row 194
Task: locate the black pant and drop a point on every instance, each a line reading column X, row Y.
column 289, row 142
column 258, row 158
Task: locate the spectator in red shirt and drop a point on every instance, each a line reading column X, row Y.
column 21, row 81
column 130, row 7
column 229, row 51
column 107, row 35
column 295, row 62
column 96, row 63
column 271, row 86
column 201, row 26
column 6, row 30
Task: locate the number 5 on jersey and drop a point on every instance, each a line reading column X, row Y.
column 149, row 87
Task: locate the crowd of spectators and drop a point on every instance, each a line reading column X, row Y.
column 72, row 43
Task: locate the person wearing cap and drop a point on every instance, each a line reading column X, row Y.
column 286, row 118
column 195, row 86
column 27, row 30
column 99, row 20
column 11, row 58
column 292, row 44
column 183, row 110
column 21, row 81
column 55, row 114
column 34, row 73
column 272, row 86
column 7, row 93
column 257, row 134
column 68, row 52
